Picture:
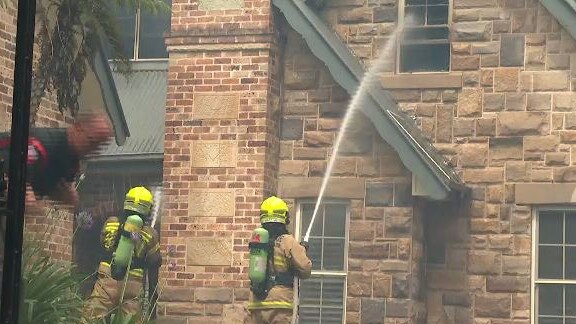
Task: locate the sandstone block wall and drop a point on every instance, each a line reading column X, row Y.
column 385, row 232
column 508, row 121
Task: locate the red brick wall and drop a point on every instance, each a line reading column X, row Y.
column 7, row 48
column 189, row 17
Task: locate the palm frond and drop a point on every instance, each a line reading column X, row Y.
column 50, row 289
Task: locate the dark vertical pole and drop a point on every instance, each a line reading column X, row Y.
column 18, row 155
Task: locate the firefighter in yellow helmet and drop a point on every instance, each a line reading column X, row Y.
column 272, row 300
column 132, row 250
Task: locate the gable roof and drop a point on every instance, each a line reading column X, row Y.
column 565, row 12
column 143, row 98
column 430, row 168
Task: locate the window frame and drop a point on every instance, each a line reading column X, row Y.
column 401, row 11
column 137, row 31
column 534, row 281
column 299, row 235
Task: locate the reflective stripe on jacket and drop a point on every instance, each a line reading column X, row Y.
column 270, row 305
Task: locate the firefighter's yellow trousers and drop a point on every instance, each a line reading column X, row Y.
column 270, row 316
column 105, row 297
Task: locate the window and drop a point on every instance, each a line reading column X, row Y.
column 425, row 43
column 142, row 33
column 323, row 296
column 555, row 267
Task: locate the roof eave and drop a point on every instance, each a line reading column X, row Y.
column 565, row 12
column 347, row 72
column 110, row 96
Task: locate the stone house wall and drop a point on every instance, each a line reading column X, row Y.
column 385, row 239
column 509, row 121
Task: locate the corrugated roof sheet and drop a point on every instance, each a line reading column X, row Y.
column 143, row 98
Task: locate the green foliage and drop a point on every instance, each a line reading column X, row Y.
column 50, row 288
column 70, row 33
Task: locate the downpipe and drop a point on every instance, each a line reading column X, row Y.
column 12, row 268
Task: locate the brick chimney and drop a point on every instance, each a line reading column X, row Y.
column 221, row 152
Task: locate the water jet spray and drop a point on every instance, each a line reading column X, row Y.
column 157, row 201
column 369, row 80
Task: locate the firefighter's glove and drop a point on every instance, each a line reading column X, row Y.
column 305, row 245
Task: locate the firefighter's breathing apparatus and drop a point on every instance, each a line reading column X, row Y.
column 262, row 278
column 139, row 201
column 126, row 246
column 258, row 266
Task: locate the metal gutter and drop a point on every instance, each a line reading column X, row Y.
column 125, row 157
column 417, row 153
column 126, row 163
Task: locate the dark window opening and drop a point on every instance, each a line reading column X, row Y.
column 127, row 31
column 142, row 34
column 555, row 288
column 425, row 45
column 152, row 29
column 436, row 253
column 425, row 58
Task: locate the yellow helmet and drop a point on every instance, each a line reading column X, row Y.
column 139, row 200
column 274, row 210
